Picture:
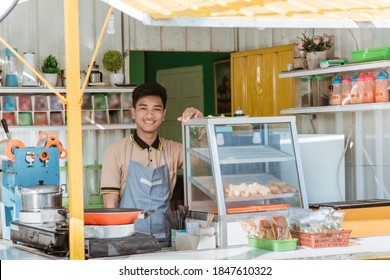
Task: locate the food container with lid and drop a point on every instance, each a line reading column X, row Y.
column 40, row 196
column 381, row 87
column 369, row 88
column 304, row 92
column 321, row 86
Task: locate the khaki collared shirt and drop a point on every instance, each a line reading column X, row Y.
column 118, row 155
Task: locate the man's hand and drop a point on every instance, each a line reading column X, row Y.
column 190, row 113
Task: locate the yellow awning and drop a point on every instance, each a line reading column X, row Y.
column 257, row 13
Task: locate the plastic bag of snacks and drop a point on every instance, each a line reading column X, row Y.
column 323, row 219
column 273, row 228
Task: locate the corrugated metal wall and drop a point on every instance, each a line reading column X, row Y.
column 38, row 26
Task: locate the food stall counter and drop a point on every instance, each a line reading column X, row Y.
column 373, row 247
column 370, row 247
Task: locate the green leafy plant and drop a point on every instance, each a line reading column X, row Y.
column 113, row 60
column 50, row 65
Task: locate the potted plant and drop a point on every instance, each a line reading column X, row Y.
column 50, row 69
column 113, row 61
column 315, row 48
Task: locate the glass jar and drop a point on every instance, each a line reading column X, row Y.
column 304, row 92
column 321, row 86
column 64, row 185
column 92, row 175
column 10, row 68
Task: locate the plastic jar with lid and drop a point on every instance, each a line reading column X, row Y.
column 320, row 86
column 369, row 88
column 10, row 69
column 381, row 87
column 335, row 98
column 354, row 88
column 304, row 92
column 346, row 87
column 360, row 88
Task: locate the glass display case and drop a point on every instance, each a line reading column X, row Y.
column 238, row 167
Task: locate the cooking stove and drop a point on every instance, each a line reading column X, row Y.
column 53, row 239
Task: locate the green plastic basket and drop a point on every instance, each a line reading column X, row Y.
column 273, row 245
column 371, row 54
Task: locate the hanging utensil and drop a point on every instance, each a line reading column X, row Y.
column 5, row 127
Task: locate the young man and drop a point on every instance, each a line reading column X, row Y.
column 140, row 171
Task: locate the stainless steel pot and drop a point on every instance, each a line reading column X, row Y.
column 40, row 196
column 96, row 76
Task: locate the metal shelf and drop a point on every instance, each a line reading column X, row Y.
column 336, row 69
column 336, row 109
column 65, row 127
column 16, row 91
column 19, row 92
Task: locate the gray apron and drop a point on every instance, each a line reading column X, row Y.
column 148, row 189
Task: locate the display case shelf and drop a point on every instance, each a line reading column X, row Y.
column 248, row 154
column 206, row 184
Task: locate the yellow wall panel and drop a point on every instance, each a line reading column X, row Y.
column 256, row 86
column 238, row 81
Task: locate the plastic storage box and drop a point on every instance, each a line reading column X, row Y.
column 371, row 54
column 273, row 245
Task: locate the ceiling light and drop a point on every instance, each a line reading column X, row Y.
column 111, row 25
column 5, row 7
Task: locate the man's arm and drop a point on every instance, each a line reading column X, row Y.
column 110, row 200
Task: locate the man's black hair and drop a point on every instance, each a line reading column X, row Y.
column 147, row 89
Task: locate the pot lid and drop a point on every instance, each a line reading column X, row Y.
column 40, row 189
